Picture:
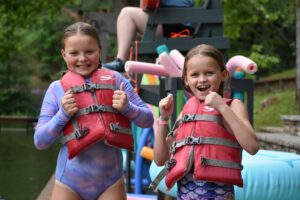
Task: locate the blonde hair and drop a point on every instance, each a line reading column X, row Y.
column 82, row 28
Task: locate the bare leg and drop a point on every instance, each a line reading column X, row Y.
column 131, row 20
column 62, row 192
column 116, row 191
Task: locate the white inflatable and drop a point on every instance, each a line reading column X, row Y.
column 268, row 175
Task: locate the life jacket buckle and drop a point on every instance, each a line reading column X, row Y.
column 114, row 127
column 170, row 163
column 188, row 118
column 203, row 161
column 192, row 140
column 91, row 86
column 96, row 108
column 79, row 133
column 187, row 140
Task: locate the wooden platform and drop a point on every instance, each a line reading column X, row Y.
column 28, row 121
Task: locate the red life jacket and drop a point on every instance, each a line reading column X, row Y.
column 96, row 119
column 202, row 142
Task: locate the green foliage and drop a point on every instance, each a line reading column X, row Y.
column 264, row 60
column 46, row 40
column 20, row 20
column 263, row 30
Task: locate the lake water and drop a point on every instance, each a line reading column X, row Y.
column 24, row 170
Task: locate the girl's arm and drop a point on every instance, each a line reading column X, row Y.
column 236, row 118
column 52, row 118
column 136, row 109
column 161, row 147
column 162, row 143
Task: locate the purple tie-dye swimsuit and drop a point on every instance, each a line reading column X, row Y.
column 93, row 171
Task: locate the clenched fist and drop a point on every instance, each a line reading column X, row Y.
column 69, row 104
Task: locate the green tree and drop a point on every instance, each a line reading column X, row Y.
column 263, row 30
column 18, row 19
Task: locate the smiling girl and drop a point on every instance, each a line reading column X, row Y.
column 89, row 109
column 203, row 152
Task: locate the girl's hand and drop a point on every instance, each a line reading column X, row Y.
column 166, row 106
column 69, row 104
column 120, row 99
column 214, row 100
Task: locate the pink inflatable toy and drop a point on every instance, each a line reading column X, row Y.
column 170, row 66
column 177, row 57
column 246, row 64
column 147, row 68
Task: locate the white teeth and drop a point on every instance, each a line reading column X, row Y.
column 202, row 86
column 82, row 65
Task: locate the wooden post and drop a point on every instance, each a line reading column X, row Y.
column 298, row 54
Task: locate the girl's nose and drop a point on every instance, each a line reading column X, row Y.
column 202, row 78
column 82, row 57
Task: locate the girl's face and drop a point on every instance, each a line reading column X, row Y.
column 81, row 54
column 203, row 74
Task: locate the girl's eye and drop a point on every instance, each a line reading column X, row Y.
column 90, row 52
column 194, row 74
column 73, row 53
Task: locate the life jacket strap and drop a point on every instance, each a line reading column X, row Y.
column 168, row 165
column 153, row 185
column 117, row 128
column 221, row 163
column 175, row 126
column 78, row 134
column 190, row 140
column 96, row 108
column 190, row 118
column 91, row 87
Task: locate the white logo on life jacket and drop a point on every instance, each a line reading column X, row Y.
column 208, row 109
column 106, row 77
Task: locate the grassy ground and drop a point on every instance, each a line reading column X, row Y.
column 24, row 170
column 270, row 105
column 285, row 74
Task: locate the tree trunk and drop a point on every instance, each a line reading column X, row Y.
column 298, row 54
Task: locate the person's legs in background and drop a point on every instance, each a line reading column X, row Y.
column 131, row 20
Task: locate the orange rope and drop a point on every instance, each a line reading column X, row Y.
column 135, row 80
column 184, row 33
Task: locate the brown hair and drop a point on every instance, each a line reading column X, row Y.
column 82, row 28
column 205, row 50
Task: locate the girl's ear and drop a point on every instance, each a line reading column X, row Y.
column 62, row 51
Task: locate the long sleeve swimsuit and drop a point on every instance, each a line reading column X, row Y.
column 94, row 170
